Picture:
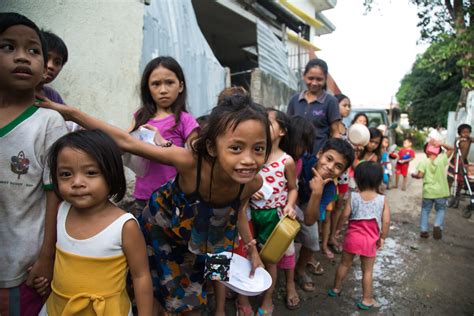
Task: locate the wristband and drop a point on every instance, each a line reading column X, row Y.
column 253, row 242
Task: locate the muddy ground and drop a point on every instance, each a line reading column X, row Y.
column 412, row 276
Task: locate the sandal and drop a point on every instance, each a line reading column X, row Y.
column 245, row 310
column 364, row 307
column 305, row 282
column 315, row 267
column 332, row 293
column 328, row 253
column 290, row 302
column 261, row 311
column 336, row 248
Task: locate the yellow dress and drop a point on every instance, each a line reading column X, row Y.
column 92, row 285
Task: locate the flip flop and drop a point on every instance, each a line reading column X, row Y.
column 315, row 267
column 332, row 293
column 303, row 281
column 335, row 248
column 262, row 312
column 328, row 253
column 364, row 307
column 290, row 302
column 244, row 309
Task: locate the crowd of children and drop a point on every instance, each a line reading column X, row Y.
column 207, row 187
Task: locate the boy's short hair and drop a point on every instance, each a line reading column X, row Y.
column 56, row 44
column 102, row 148
column 464, row 126
column 342, row 147
column 9, row 19
column 408, row 138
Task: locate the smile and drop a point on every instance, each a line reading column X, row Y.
column 246, row 172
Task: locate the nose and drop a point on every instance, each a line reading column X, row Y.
column 21, row 56
column 247, row 159
column 163, row 89
column 77, row 181
column 50, row 65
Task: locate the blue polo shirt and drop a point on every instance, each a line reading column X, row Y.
column 321, row 112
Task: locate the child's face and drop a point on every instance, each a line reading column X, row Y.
column 315, row 79
column 275, row 129
column 373, row 144
column 241, row 152
column 465, row 133
column 330, row 164
column 345, row 107
column 385, row 143
column 407, row 143
column 361, row 120
column 21, row 59
column 164, row 87
column 54, row 66
column 80, row 180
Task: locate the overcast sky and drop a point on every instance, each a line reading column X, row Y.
column 368, row 55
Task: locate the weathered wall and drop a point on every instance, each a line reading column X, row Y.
column 464, row 116
column 104, row 39
column 268, row 91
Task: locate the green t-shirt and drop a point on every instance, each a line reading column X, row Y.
column 435, row 182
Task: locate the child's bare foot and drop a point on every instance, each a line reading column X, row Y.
column 292, row 297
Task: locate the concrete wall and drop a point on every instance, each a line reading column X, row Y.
column 464, row 116
column 104, row 40
column 268, row 91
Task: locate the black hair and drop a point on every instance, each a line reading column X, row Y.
column 341, row 97
column 368, row 175
column 202, row 119
column 56, row 44
column 301, row 134
column 342, row 147
column 359, row 115
column 316, row 62
column 9, row 19
column 284, row 122
column 228, row 114
column 464, row 126
column 102, row 149
column 374, row 133
column 148, row 107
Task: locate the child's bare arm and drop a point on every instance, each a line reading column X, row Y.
column 43, row 267
column 417, row 175
column 177, row 156
column 385, row 220
column 345, row 214
column 135, row 250
column 290, row 174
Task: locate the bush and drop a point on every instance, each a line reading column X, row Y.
column 418, row 137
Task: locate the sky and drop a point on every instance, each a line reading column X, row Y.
column 368, row 55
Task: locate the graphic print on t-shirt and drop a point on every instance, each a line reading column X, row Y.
column 19, row 164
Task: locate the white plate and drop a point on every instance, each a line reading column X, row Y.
column 239, row 280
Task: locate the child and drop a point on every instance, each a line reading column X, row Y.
column 360, row 118
column 333, row 159
column 405, row 155
column 163, row 97
column 373, row 150
column 343, row 179
column 369, row 222
column 97, row 242
column 385, row 161
column 27, row 204
column 279, row 177
column 465, row 140
column 435, row 186
column 197, row 212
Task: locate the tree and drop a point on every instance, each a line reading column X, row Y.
column 447, row 21
column 428, row 94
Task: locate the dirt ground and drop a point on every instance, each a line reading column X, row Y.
column 412, row 276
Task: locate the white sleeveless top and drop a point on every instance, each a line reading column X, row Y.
column 361, row 209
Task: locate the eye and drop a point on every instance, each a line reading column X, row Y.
column 170, row 82
column 260, row 149
column 235, row 148
column 6, row 47
column 64, row 174
column 93, row 172
column 34, row 51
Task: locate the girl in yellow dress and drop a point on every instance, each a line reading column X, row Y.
column 97, row 242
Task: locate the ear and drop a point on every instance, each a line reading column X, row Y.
column 319, row 154
column 181, row 86
column 211, row 149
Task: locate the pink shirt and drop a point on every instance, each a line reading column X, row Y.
column 158, row 174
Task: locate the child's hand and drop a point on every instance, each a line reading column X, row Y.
column 42, row 286
column 317, row 183
column 380, row 243
column 257, row 196
column 290, row 211
column 39, row 274
column 256, row 261
column 47, row 103
column 158, row 139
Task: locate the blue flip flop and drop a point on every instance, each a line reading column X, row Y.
column 364, row 307
column 332, row 293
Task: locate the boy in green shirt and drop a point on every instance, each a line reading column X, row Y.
column 435, row 186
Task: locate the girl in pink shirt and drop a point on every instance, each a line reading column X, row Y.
column 163, row 96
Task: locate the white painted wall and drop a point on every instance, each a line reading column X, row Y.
column 104, row 39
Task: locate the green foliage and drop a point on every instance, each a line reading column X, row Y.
column 418, row 137
column 430, row 90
